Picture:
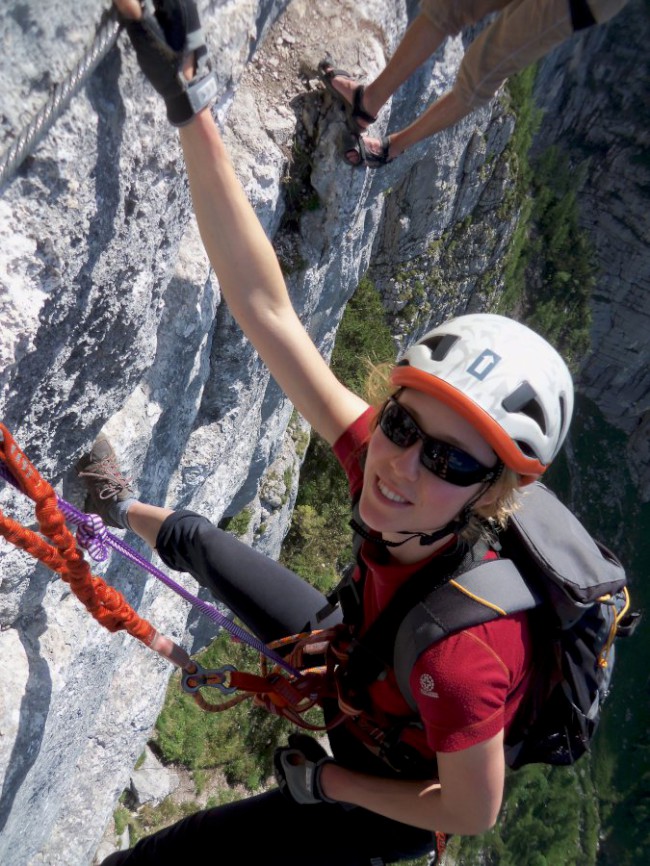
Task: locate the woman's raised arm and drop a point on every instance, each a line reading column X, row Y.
column 242, row 256
column 252, row 284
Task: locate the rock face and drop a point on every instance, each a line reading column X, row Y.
column 112, row 320
column 595, row 99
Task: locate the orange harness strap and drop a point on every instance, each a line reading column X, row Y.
column 107, row 605
column 290, row 698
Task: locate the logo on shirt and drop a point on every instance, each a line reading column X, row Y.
column 428, row 686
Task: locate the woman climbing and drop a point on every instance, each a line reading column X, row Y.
column 478, row 408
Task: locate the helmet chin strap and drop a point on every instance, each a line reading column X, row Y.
column 426, row 538
column 453, row 527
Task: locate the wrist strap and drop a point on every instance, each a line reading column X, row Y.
column 199, row 94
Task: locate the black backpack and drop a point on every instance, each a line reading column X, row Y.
column 575, row 590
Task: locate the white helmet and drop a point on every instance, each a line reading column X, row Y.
column 505, row 379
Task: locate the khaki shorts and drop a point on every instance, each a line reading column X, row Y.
column 523, row 32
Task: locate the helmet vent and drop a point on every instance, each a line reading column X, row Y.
column 562, row 412
column 525, row 448
column 524, row 400
column 440, row 345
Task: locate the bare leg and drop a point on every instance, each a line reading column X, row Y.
column 444, row 112
column 418, row 43
column 146, row 520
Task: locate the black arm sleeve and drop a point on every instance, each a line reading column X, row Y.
column 270, row 600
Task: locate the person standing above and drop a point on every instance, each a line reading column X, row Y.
column 524, row 32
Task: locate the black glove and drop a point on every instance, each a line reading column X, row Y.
column 298, row 767
column 169, row 32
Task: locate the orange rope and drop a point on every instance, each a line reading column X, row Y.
column 110, row 609
column 107, row 605
column 272, row 690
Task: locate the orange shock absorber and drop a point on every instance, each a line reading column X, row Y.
column 106, row 604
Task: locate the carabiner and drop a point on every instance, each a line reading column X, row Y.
column 200, row 678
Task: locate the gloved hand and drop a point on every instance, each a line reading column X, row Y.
column 169, row 33
column 298, row 767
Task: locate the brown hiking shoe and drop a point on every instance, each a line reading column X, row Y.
column 105, row 483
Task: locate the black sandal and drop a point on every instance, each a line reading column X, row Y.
column 366, row 157
column 354, row 111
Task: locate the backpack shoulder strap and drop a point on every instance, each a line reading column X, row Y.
column 487, row 591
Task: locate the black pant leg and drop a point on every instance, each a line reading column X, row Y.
column 271, row 600
column 269, row 829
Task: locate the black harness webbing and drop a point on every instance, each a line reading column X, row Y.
column 372, row 654
column 581, row 15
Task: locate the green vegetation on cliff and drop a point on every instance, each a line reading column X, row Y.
column 318, row 543
column 550, row 818
column 550, row 270
column 240, row 740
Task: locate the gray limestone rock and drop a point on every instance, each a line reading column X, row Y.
column 151, row 782
column 112, row 319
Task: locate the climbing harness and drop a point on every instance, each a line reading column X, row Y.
column 31, row 134
column 282, row 688
column 290, row 697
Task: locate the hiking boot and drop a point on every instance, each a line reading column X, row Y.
column 106, row 485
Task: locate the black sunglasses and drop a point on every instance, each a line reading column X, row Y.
column 445, row 461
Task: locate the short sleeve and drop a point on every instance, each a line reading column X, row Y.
column 350, row 447
column 462, row 684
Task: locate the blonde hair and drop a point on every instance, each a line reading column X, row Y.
column 378, row 385
column 485, row 519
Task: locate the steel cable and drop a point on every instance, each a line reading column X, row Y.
column 28, row 138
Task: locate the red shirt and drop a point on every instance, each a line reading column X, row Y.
column 467, row 686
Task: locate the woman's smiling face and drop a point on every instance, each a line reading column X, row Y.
column 399, row 493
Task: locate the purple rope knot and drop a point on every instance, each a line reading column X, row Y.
column 92, row 535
